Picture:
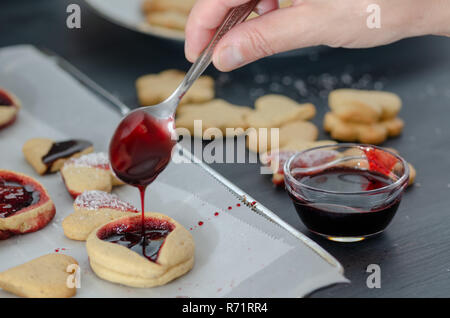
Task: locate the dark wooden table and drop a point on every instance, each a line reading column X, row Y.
column 414, row 252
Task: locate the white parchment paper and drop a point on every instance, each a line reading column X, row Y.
column 238, row 253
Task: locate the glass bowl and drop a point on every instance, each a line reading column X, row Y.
column 346, row 192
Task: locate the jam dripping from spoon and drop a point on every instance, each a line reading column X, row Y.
column 140, row 150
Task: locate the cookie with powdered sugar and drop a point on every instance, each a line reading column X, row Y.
column 92, row 209
column 89, row 172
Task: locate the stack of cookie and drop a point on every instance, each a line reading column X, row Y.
column 170, row 14
column 173, row 14
column 363, row 116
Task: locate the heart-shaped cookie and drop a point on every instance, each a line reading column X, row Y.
column 118, row 253
column 155, row 88
column 43, row 277
column 88, row 172
column 25, row 205
column 272, row 111
column 47, row 156
column 92, row 209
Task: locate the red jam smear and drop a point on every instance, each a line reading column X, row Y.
column 64, row 149
column 5, row 99
column 14, row 197
column 379, row 160
column 130, row 236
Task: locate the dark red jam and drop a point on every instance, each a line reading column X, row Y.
column 335, row 218
column 130, row 236
column 141, row 148
column 15, row 197
column 5, row 99
column 64, row 149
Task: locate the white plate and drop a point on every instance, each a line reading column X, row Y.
column 128, row 14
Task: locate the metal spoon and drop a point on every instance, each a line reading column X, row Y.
column 167, row 108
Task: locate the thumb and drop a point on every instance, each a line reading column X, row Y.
column 274, row 32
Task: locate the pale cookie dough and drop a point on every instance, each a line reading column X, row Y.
column 294, row 132
column 412, row 170
column 363, row 106
column 276, row 110
column 92, row 209
column 412, row 174
column 375, row 133
column 43, row 277
column 214, row 114
column 36, row 148
column 88, row 172
column 153, row 89
column 121, row 265
column 167, row 19
column 277, row 158
column 183, row 6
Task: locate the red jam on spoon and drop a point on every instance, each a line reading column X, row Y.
column 141, row 148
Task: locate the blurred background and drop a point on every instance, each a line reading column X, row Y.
column 112, row 53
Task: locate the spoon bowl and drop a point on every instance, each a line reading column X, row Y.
column 142, row 144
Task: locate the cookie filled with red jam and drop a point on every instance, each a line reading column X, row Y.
column 146, row 240
column 141, row 254
column 25, row 205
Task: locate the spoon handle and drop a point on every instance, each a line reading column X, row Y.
column 235, row 16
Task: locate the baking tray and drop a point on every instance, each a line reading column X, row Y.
column 246, row 251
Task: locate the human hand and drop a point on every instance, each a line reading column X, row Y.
column 308, row 23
